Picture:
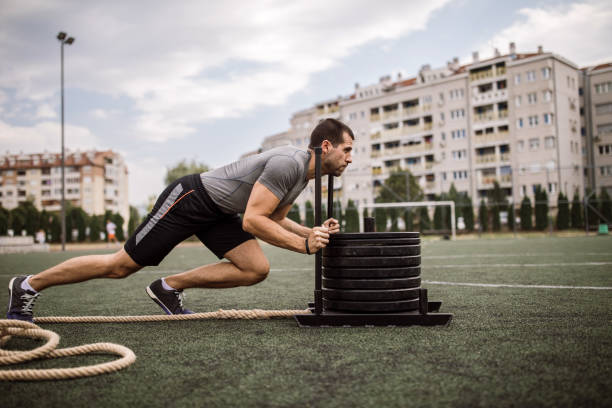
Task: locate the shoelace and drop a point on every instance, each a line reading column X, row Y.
column 180, row 296
column 28, row 302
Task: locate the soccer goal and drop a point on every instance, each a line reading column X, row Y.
column 408, row 204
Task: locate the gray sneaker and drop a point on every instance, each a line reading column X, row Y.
column 171, row 301
column 21, row 301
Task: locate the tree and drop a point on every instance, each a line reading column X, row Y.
column 134, row 220
column 576, row 212
column 294, row 214
column 117, row 219
column 79, row 221
column 309, row 214
column 605, row 206
column 351, row 216
column 468, row 212
column 4, row 220
column 497, row 201
column 409, row 219
column 55, row 228
column 424, row 220
column 183, row 168
column 593, row 218
column 96, row 226
column 17, row 220
column 526, row 213
column 563, row 218
column 511, row 216
column 380, row 216
column 393, row 190
column 541, row 209
column 483, row 216
column 438, row 222
column 337, row 212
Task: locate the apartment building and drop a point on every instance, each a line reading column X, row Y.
column 95, row 181
column 596, row 125
column 513, row 118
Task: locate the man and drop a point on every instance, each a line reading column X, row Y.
column 110, row 232
column 262, row 187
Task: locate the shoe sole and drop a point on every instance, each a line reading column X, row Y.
column 159, row 302
column 10, row 288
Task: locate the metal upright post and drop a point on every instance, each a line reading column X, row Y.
column 318, row 293
column 330, row 196
column 63, row 155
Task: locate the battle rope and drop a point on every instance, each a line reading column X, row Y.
column 19, row 328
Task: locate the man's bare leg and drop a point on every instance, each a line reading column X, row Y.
column 247, row 266
column 83, row 268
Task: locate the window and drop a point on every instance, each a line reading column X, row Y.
column 519, row 123
column 532, row 98
column 548, row 118
column 552, row 187
column 534, row 144
column 547, row 96
column 517, row 79
column 459, row 154
column 606, row 170
column 443, row 136
column 531, row 76
column 441, row 115
column 603, row 87
column 520, row 146
column 460, row 175
column 458, row 113
column 605, row 149
column 603, row 108
column 605, row 128
column 546, row 72
column 533, row 120
column 517, row 100
column 549, row 142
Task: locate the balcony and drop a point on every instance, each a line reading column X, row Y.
column 429, row 165
column 427, row 126
column 490, row 97
column 504, row 157
column 505, row 178
column 429, row 185
column 486, row 158
column 375, row 136
column 491, row 137
column 499, row 71
column 417, row 148
column 376, row 171
column 375, row 117
column 491, row 115
column 395, row 132
column 413, row 110
column 375, row 153
column 477, row 76
column 394, row 114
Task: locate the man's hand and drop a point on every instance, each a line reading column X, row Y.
column 318, row 238
column 332, row 225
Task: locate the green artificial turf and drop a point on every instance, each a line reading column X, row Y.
column 504, row 347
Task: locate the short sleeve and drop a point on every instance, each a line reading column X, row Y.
column 280, row 175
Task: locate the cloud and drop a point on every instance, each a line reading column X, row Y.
column 45, row 136
column 146, row 177
column 161, row 56
column 45, row 111
column 580, row 32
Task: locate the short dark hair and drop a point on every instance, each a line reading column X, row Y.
column 329, row 129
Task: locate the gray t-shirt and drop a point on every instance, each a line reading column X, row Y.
column 282, row 170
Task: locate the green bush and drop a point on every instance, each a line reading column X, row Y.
column 352, row 217
column 605, row 206
column 563, row 215
column 309, row 214
column 294, row 214
column 541, row 209
column 483, row 216
column 576, row 212
column 526, row 213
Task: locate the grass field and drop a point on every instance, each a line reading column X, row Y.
column 531, row 343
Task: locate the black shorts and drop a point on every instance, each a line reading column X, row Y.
column 182, row 210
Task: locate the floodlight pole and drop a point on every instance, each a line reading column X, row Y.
column 63, row 40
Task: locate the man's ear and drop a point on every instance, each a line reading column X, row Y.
column 326, row 146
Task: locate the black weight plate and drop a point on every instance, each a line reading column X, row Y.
column 371, row 273
column 371, row 295
column 368, row 261
column 372, row 242
column 387, row 250
column 371, row 307
column 397, row 283
column 375, row 235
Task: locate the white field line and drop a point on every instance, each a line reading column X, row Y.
column 517, row 265
column 513, row 255
column 503, row 285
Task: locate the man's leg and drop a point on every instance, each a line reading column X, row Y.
column 247, row 266
column 83, row 268
column 23, row 291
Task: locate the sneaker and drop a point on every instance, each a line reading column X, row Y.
column 171, row 301
column 21, row 301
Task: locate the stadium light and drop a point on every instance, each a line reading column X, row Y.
column 63, row 40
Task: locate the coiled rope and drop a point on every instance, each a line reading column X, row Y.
column 19, row 328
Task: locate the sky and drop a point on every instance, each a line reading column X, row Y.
column 203, row 80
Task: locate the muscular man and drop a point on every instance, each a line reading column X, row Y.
column 262, row 187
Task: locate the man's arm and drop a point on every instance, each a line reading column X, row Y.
column 258, row 221
column 280, row 216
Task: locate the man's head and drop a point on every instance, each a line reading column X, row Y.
column 336, row 141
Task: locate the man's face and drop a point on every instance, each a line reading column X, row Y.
column 337, row 158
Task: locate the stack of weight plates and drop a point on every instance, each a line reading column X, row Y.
column 372, row 272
